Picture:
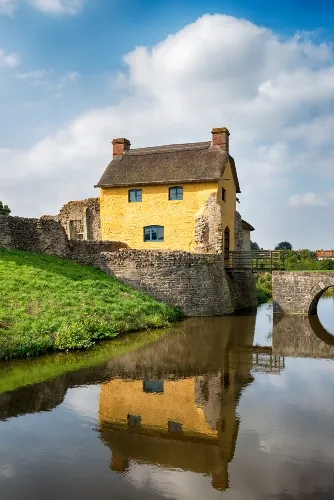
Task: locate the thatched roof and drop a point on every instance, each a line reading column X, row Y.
column 175, row 163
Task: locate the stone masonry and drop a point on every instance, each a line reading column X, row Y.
column 298, row 292
column 208, row 228
column 197, row 283
column 81, row 219
column 34, row 235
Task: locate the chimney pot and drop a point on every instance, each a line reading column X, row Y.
column 220, row 137
column 120, row 145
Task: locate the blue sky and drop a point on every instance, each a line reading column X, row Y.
column 76, row 73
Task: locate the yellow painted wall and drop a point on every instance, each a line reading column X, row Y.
column 124, row 221
column 121, row 397
column 228, row 206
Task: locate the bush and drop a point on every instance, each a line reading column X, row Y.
column 264, row 287
column 73, row 336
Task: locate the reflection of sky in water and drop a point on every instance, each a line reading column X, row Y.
column 325, row 312
column 264, row 325
column 284, row 450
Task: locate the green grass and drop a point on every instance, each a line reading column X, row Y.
column 50, row 304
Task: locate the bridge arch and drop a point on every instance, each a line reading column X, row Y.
column 298, row 292
column 317, row 296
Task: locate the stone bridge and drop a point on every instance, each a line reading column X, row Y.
column 298, row 292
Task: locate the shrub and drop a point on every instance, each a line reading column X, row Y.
column 264, row 287
column 73, row 336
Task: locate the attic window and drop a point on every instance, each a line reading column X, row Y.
column 223, row 194
column 135, row 195
column 176, row 193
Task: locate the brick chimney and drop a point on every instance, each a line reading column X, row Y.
column 220, row 137
column 120, row 146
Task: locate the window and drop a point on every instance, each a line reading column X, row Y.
column 153, row 386
column 223, row 194
column 174, row 426
column 134, row 420
column 135, row 195
column 176, row 193
column 154, row 233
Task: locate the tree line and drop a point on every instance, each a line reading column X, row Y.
column 299, row 260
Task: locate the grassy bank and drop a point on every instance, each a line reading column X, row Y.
column 49, row 304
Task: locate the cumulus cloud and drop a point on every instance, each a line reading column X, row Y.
column 307, row 200
column 275, row 95
column 67, row 7
column 9, row 59
column 7, row 7
column 53, row 7
column 45, row 78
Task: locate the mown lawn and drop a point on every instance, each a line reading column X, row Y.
column 51, row 304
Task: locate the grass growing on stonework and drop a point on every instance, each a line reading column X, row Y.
column 50, row 304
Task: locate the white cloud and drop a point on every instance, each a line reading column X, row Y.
column 7, row 7
column 8, row 59
column 307, row 200
column 275, row 95
column 46, row 78
column 52, row 7
column 62, row 7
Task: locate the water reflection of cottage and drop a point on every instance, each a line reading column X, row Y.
column 174, row 422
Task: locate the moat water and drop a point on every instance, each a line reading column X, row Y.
column 238, row 407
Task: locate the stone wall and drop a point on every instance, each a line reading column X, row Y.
column 199, row 284
column 298, row 292
column 34, row 235
column 81, row 219
column 208, row 227
column 87, row 252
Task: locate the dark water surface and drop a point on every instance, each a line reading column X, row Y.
column 238, row 407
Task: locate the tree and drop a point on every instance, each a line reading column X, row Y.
column 254, row 246
column 284, row 245
column 4, row 209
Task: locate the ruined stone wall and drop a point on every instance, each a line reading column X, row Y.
column 34, row 235
column 238, row 234
column 199, row 284
column 81, row 219
column 208, row 227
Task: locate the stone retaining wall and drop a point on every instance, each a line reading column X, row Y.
column 197, row 283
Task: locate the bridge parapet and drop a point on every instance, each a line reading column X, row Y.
column 298, row 292
column 256, row 260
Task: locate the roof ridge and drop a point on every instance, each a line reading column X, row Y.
column 168, row 148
